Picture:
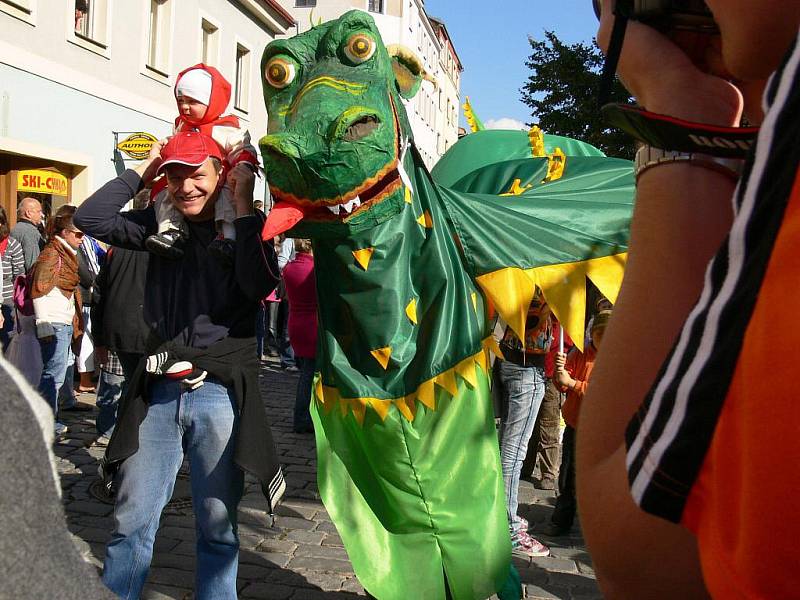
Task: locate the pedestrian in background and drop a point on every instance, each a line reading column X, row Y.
column 90, row 257
column 543, row 445
column 13, row 262
column 28, row 230
column 521, row 374
column 279, row 311
column 572, row 375
column 301, row 290
column 57, row 306
column 120, row 342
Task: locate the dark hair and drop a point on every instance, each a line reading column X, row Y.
column 4, row 230
column 81, row 5
column 60, row 221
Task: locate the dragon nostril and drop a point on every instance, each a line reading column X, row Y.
column 361, row 128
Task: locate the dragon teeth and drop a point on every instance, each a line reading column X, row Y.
column 346, row 208
column 352, row 204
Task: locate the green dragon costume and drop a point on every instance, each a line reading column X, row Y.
column 409, row 270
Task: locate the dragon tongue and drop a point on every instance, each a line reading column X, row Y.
column 282, row 217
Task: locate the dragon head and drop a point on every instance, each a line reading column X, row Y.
column 337, row 128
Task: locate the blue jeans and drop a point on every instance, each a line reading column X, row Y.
column 523, row 390
column 109, row 390
column 55, row 357
column 202, row 423
column 66, row 393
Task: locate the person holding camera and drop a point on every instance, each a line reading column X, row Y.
column 684, row 463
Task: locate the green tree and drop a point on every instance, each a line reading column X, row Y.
column 562, row 91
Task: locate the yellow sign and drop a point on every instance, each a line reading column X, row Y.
column 45, row 182
column 137, row 145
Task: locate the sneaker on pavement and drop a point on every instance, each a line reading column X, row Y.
column 60, row 431
column 523, row 524
column 526, row 546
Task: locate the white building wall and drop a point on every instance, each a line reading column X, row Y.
column 402, row 22
column 61, row 96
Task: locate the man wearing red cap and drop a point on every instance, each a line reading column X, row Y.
column 202, row 94
column 197, row 391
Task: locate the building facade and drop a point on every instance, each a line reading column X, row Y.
column 79, row 76
column 434, row 111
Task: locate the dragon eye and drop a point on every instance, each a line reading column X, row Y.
column 360, row 47
column 280, row 71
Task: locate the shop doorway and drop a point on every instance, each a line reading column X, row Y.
column 27, row 176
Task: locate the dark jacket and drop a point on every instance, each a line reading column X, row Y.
column 197, row 308
column 234, row 362
column 118, row 300
column 85, row 277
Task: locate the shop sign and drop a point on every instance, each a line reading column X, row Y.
column 137, row 145
column 45, row 182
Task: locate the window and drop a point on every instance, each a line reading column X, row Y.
column 242, row 91
column 22, row 9
column 210, row 43
column 305, row 3
column 375, row 6
column 91, row 21
column 158, row 40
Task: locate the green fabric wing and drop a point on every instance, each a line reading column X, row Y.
column 585, row 214
column 493, row 146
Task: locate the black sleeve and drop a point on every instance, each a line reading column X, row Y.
column 85, row 274
column 256, row 264
column 99, row 214
column 98, row 303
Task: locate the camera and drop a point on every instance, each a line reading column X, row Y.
column 666, row 15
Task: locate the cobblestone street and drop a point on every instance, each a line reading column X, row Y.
column 301, row 557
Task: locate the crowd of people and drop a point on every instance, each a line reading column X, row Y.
column 201, row 284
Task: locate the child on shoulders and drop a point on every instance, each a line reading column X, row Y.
column 202, row 94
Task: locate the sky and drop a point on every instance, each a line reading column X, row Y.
column 491, row 39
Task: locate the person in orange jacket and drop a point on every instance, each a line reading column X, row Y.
column 572, row 374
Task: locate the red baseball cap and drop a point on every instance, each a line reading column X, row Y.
column 189, row 148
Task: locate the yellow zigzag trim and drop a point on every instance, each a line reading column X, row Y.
column 564, row 287
column 330, row 399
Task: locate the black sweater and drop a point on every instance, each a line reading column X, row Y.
column 195, row 301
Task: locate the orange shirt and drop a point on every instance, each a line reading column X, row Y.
column 579, row 366
column 744, row 505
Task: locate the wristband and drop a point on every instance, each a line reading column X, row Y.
column 648, row 157
column 662, row 131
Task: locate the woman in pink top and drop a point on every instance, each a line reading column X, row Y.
column 301, row 290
